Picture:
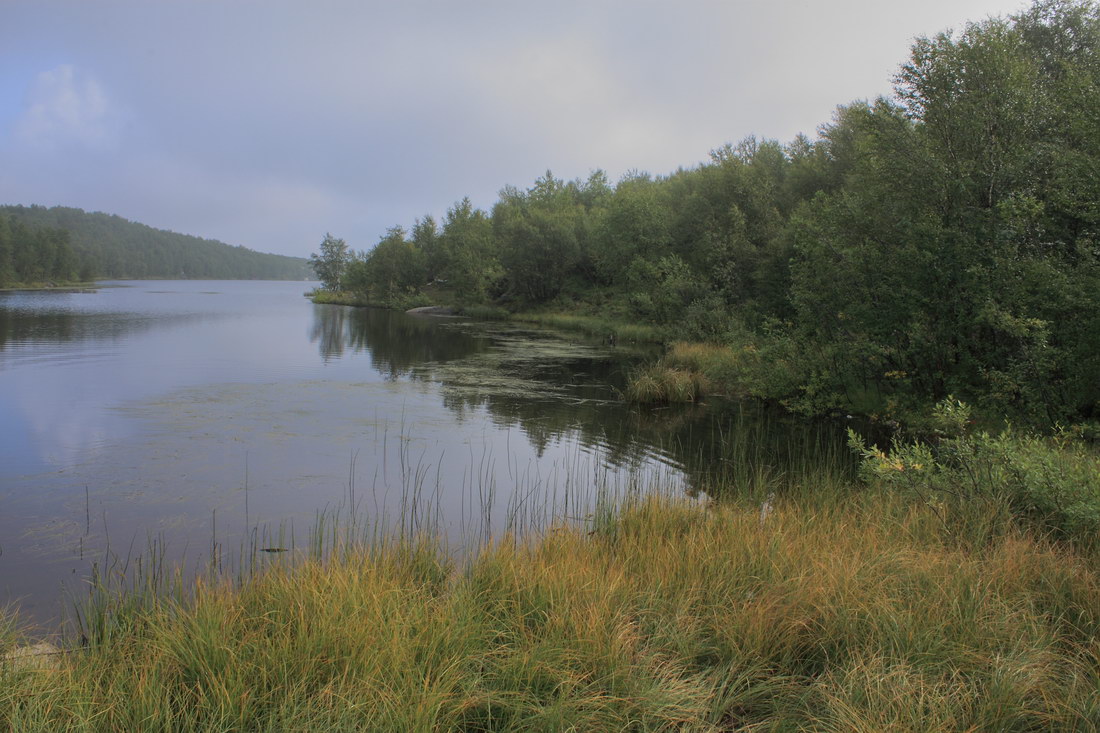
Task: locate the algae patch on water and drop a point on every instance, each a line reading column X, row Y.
column 521, row 364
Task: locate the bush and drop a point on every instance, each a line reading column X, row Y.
column 1047, row 483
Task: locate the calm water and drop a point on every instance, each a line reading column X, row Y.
column 199, row 414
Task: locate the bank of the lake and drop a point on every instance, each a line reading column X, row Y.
column 50, row 286
column 740, row 365
column 833, row 608
column 686, row 573
column 191, row 414
column 593, row 324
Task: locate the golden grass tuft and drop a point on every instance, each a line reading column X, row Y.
column 658, row 384
column 855, row 612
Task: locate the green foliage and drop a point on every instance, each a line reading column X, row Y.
column 331, row 263
column 41, row 244
column 662, row 290
column 950, row 252
column 635, row 225
column 34, row 255
column 538, row 235
column 391, row 271
column 469, row 264
column 941, row 241
column 1048, row 484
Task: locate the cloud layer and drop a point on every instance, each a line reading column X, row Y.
column 269, row 123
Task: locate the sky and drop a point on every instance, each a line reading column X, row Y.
column 267, row 123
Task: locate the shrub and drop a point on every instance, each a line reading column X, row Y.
column 1047, row 483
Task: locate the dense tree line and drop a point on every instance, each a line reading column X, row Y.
column 34, row 254
column 66, row 244
column 942, row 241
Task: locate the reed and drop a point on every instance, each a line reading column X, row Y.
column 832, row 611
column 658, row 384
column 617, row 331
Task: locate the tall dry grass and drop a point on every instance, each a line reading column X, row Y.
column 658, row 384
column 688, row 370
column 839, row 612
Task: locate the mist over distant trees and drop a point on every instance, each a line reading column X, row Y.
column 945, row 240
column 39, row 244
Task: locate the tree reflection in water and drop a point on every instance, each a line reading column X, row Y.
column 554, row 389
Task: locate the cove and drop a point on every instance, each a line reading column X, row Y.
column 207, row 417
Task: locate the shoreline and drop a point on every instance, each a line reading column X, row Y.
column 798, row 610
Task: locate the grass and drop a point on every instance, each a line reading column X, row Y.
column 658, row 384
column 840, row 610
column 597, row 326
column 50, row 285
column 688, row 370
column 320, row 296
column 609, row 329
column 739, row 369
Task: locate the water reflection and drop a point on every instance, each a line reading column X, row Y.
column 554, row 389
column 396, row 342
column 196, row 412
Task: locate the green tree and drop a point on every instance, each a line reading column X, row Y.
column 393, row 268
column 636, row 225
column 425, row 237
column 7, row 271
column 945, row 257
column 537, row 235
column 469, row 254
column 331, row 263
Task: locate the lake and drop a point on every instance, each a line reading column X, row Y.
column 205, row 418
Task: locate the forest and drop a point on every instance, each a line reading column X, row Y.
column 941, row 241
column 63, row 245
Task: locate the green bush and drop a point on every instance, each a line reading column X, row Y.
column 1047, row 483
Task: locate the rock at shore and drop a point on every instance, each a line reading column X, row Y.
column 42, row 655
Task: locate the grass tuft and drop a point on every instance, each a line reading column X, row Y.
column 658, row 384
column 830, row 612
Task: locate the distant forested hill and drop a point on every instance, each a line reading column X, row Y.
column 102, row 245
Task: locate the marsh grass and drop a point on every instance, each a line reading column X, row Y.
column 801, row 600
column 617, row 331
column 835, row 611
column 397, row 301
column 658, row 384
column 689, row 369
column 486, row 313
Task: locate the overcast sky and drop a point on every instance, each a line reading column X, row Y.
column 268, row 123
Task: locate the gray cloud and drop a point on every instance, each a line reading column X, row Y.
column 268, row 123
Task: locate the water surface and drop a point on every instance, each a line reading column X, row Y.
column 200, row 416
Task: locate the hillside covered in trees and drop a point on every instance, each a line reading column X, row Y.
column 943, row 241
column 59, row 244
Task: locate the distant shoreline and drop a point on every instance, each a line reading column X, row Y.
column 78, row 286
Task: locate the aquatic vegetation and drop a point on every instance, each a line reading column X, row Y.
column 659, row 384
column 841, row 611
column 609, row 329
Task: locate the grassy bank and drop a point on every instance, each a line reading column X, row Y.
column 339, row 297
column 602, row 327
column 596, row 326
column 851, row 609
column 76, row 285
